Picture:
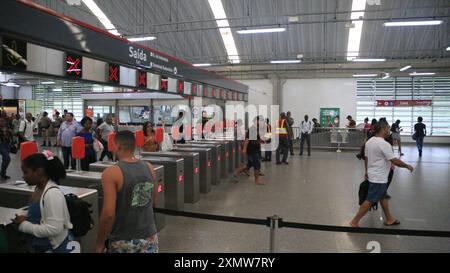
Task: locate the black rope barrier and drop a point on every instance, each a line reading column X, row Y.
column 282, row 224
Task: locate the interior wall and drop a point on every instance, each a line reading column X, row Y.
column 260, row 92
column 307, row 96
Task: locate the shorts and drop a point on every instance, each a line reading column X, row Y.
column 395, row 136
column 376, row 192
column 150, row 245
column 254, row 160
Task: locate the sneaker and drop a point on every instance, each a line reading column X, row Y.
column 359, row 156
column 278, row 163
column 285, row 162
column 5, row 177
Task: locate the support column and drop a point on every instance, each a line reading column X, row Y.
column 277, row 90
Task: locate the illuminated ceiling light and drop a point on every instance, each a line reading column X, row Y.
column 139, row 39
column 225, row 30
column 413, row 23
column 11, row 84
column 363, row 60
column 386, row 76
column 364, row 75
column 354, row 34
column 93, row 7
column 49, row 82
column 261, row 30
column 405, row 68
column 422, row 74
column 448, row 48
column 200, row 65
column 286, row 62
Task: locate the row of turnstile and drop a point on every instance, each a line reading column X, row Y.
column 182, row 174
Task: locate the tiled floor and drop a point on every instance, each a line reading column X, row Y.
column 321, row 189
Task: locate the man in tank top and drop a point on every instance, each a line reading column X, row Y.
column 127, row 219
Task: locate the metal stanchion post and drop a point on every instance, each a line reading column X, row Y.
column 78, row 165
column 273, row 226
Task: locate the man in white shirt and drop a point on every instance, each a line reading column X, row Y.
column 378, row 160
column 26, row 128
column 306, row 130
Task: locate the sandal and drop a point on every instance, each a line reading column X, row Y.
column 395, row 223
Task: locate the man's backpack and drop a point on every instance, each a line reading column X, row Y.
column 80, row 214
column 362, row 194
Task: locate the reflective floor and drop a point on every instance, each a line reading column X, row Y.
column 321, row 189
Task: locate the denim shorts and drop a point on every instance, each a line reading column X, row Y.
column 254, row 160
column 377, row 192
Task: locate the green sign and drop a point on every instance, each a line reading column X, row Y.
column 329, row 117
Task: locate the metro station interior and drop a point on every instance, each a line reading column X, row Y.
column 339, row 61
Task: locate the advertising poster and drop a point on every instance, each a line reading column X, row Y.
column 21, row 108
column 329, row 117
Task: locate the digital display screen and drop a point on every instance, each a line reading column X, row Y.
column 180, row 86
column 114, row 73
column 205, row 91
column 164, row 83
column 194, row 89
column 142, row 79
column 74, row 65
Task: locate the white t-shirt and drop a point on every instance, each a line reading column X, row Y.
column 107, row 129
column 379, row 153
column 28, row 134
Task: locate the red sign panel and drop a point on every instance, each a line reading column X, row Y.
column 74, row 65
column 114, row 73
column 400, row 103
column 180, row 86
column 194, row 89
column 214, row 92
column 205, row 91
column 222, row 94
column 142, row 79
column 164, row 83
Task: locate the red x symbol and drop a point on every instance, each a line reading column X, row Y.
column 113, row 73
column 214, row 92
column 142, row 79
column 194, row 89
column 180, row 87
column 73, row 65
column 163, row 84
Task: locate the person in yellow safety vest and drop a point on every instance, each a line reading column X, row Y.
column 283, row 137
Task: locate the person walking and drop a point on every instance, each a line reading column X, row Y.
column 420, row 131
column 395, row 133
column 129, row 194
column 268, row 141
column 5, row 142
column 103, row 132
column 378, row 159
column 283, row 140
column 68, row 130
column 290, row 123
column 88, row 134
column 306, row 130
column 57, row 123
column 45, row 124
column 15, row 127
column 252, row 148
column 26, row 129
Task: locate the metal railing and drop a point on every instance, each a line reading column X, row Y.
column 334, row 137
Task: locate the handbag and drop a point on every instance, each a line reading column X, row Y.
column 414, row 136
column 13, row 148
column 98, row 146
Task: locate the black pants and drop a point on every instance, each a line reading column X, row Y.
column 283, row 148
column 6, row 159
column 291, row 145
column 67, row 157
column 105, row 151
column 268, row 155
column 88, row 160
column 306, row 137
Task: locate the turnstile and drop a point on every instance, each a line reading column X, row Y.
column 99, row 167
column 17, row 195
column 173, row 180
column 236, row 151
column 227, row 167
column 215, row 155
column 191, row 172
column 205, row 165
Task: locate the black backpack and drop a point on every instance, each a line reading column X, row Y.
column 362, row 194
column 80, row 214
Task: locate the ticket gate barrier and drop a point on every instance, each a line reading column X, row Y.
column 16, row 195
column 99, row 167
column 215, row 155
column 173, row 180
column 237, row 150
column 205, row 165
column 229, row 158
column 191, row 172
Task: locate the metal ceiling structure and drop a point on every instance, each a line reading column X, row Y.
column 316, row 29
